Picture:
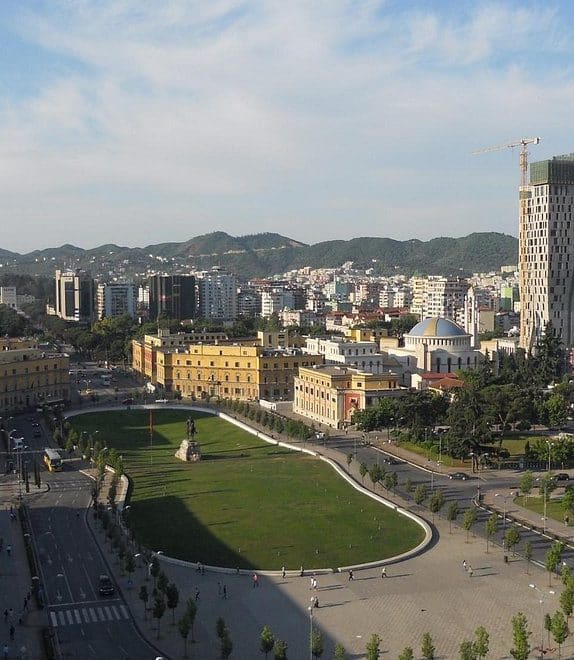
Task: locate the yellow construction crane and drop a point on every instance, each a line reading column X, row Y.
column 523, row 154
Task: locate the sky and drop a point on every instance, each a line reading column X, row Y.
column 138, row 122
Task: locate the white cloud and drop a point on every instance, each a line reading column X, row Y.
column 263, row 109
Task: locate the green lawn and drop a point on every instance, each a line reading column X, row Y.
column 431, row 454
column 554, row 508
column 246, row 504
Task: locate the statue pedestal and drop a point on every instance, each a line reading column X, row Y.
column 188, row 451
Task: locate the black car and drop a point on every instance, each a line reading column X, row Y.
column 106, row 586
column 391, row 460
column 461, row 476
column 562, row 476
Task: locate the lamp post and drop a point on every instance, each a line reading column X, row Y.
column 541, row 594
column 310, row 608
column 504, row 498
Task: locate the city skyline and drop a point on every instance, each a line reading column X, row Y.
column 131, row 123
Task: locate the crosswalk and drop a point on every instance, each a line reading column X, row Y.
column 84, row 615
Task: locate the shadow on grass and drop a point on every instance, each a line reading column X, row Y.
column 186, row 538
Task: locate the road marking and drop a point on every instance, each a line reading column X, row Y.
column 116, row 613
column 78, row 617
column 85, row 615
column 62, row 618
column 70, row 617
column 124, row 611
column 108, row 614
column 100, row 613
column 93, row 616
column 54, row 619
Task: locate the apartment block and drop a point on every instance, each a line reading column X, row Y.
column 546, row 251
column 172, row 295
column 116, row 299
column 74, row 296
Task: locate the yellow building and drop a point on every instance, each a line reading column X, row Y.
column 330, row 394
column 237, row 371
column 144, row 352
column 30, row 376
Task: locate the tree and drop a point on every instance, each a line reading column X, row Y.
column 374, row 647
column 349, row 460
column 266, row 640
column 481, row 642
column 172, row 596
column 491, row 528
column 528, row 555
column 553, row 558
column 512, row 539
column 451, row 514
column 466, row 651
column 363, row 469
column 526, row 483
column 567, row 601
column 226, row 645
column 130, row 565
column 144, row 597
column 374, row 474
column 339, row 653
column 220, row 627
column 280, row 650
column 427, row 647
column 568, row 502
column 191, row 613
column 158, row 611
column 154, row 569
column 421, row 493
column 184, row 626
column 436, row 502
column 162, row 582
column 407, row 654
column 317, row 643
column 520, row 645
column 560, row 630
column 468, row 521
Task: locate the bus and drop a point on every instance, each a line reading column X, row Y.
column 53, row 460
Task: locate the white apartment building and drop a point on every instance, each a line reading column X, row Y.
column 546, row 251
column 276, row 299
column 74, row 296
column 437, row 296
column 116, row 299
column 217, row 294
column 8, row 297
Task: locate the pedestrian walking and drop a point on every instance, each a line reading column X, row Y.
column 12, row 631
column 302, row 572
column 315, row 584
column 219, row 588
column 312, row 583
column 225, row 592
column 202, row 569
column 464, row 565
column 351, row 576
column 9, row 550
column 470, row 570
column 196, row 593
column 283, row 572
column 316, row 601
column 384, row 572
column 6, row 651
column 255, row 580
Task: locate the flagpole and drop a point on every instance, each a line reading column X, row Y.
column 151, row 437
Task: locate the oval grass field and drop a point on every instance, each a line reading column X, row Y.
column 246, row 504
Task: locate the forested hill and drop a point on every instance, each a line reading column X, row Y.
column 262, row 255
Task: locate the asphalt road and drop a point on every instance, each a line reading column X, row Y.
column 86, row 624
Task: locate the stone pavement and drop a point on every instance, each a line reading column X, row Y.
column 15, row 581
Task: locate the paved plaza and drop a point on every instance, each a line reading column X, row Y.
column 429, row 593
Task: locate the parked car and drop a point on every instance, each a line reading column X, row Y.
column 562, row 476
column 461, row 476
column 106, row 586
column 127, row 402
column 391, row 460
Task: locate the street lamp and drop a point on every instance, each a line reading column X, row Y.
column 541, row 594
column 504, row 498
column 310, row 608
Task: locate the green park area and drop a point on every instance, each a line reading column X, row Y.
column 246, row 503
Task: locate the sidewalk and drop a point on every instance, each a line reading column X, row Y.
column 15, row 581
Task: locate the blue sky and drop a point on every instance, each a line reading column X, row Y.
column 138, row 122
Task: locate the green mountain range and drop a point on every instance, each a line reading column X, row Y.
column 263, row 255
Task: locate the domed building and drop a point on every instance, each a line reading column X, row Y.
column 435, row 345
